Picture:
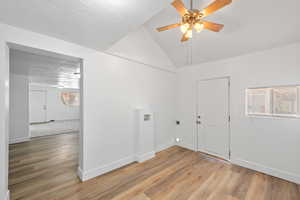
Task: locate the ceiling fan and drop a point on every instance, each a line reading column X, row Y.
column 193, row 18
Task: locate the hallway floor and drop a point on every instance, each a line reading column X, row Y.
column 54, row 128
column 45, row 169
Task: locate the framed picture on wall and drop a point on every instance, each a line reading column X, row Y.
column 70, row 98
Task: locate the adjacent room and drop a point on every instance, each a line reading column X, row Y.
column 148, row 100
column 44, row 118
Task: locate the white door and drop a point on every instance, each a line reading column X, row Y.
column 37, row 104
column 213, row 117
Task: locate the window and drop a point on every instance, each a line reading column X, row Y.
column 285, row 101
column 275, row 101
column 259, row 101
column 70, row 98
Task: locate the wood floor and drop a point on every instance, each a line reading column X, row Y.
column 45, row 169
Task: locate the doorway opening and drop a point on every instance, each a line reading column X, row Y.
column 45, row 120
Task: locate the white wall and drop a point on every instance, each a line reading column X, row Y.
column 4, row 110
column 112, row 89
column 140, row 46
column 56, row 110
column 19, row 110
column 268, row 144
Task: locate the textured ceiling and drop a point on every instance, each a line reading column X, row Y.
column 250, row 25
column 93, row 23
column 45, row 69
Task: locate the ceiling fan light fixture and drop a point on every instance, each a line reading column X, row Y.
column 184, row 27
column 198, row 27
column 189, row 33
column 193, row 18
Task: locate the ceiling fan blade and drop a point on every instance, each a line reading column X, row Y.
column 216, row 5
column 178, row 4
column 212, row 26
column 164, row 28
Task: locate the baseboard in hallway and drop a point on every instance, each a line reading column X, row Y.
column 19, row 140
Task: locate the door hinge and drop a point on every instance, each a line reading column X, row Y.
column 229, row 118
column 229, row 154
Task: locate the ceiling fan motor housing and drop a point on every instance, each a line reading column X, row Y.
column 192, row 17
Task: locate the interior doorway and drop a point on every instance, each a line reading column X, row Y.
column 45, row 119
column 213, row 118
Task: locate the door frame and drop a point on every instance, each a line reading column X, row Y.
column 8, row 45
column 196, row 135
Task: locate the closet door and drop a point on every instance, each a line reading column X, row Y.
column 37, row 104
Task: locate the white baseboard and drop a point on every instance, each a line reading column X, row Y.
column 165, row 146
column 18, row 140
column 144, row 157
column 86, row 175
column 214, row 154
column 7, row 195
column 80, row 173
column 267, row 170
column 186, row 145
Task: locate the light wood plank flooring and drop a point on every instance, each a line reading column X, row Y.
column 45, row 169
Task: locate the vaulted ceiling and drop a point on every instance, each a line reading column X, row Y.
column 93, row 23
column 250, row 25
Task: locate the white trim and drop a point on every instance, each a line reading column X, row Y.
column 272, row 116
column 267, row 170
column 19, row 140
column 186, row 146
column 165, row 146
column 79, row 173
column 214, row 154
column 145, row 156
column 86, row 175
column 7, row 195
